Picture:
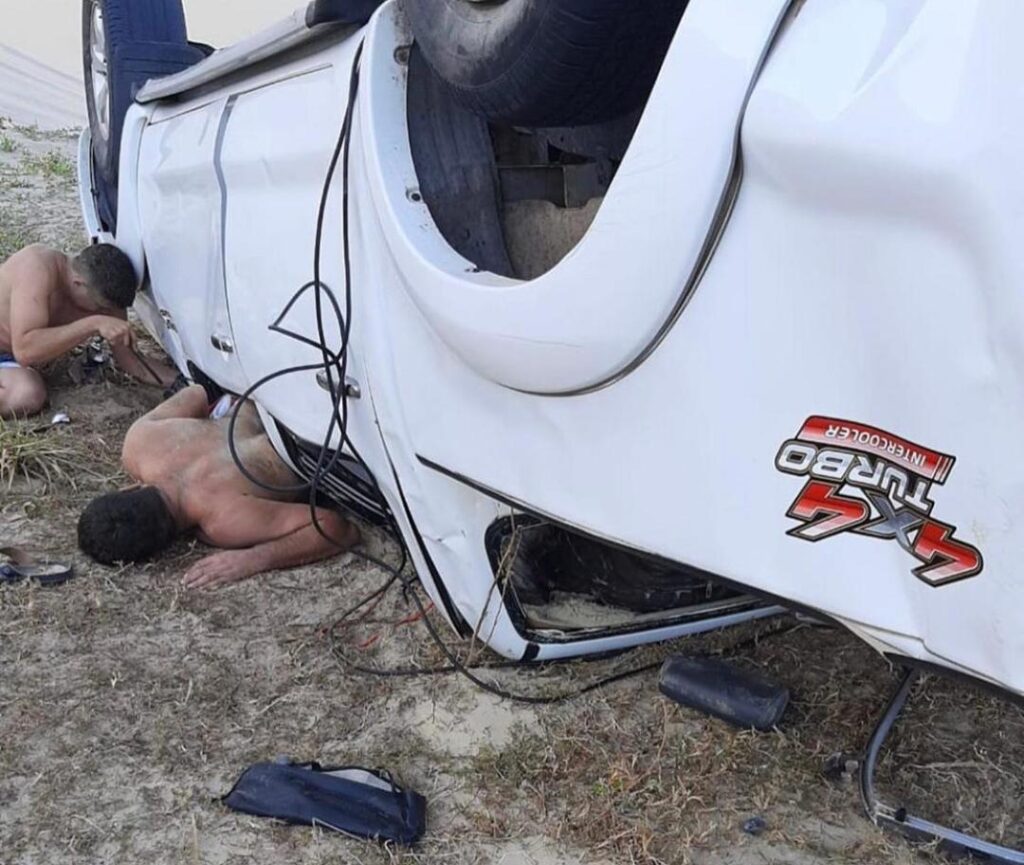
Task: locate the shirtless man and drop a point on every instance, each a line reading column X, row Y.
column 190, row 483
column 50, row 303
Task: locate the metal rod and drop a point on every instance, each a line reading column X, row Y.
column 147, row 367
column 883, row 815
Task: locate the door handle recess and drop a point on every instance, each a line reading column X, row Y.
column 168, row 321
column 222, row 343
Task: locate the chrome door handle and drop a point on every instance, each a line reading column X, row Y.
column 352, row 389
column 222, row 343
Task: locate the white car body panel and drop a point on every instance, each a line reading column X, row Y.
column 868, row 273
column 182, row 212
column 566, row 329
column 294, row 165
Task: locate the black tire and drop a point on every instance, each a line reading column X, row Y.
column 142, row 39
column 546, row 62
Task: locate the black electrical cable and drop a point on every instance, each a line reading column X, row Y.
column 457, row 666
column 335, row 366
column 330, row 361
column 340, row 359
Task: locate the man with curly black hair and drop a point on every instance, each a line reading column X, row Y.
column 49, row 304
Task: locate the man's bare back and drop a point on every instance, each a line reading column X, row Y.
column 50, row 303
column 191, row 457
column 179, row 452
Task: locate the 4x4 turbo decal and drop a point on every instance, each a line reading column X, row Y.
column 864, row 480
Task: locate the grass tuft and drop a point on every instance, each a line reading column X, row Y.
column 35, row 456
column 52, row 164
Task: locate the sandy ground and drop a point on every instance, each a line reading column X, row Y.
column 128, row 706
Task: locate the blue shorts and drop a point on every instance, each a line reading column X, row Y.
column 7, row 361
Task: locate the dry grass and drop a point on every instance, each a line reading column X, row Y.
column 128, row 705
column 958, row 757
column 44, row 458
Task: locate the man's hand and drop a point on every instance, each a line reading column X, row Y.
column 34, row 338
column 220, row 569
column 114, row 330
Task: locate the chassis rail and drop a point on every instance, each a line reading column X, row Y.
column 886, row 816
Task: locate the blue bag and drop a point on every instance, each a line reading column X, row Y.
column 346, row 799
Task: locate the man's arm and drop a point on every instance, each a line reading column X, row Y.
column 33, row 341
column 276, row 535
column 188, row 403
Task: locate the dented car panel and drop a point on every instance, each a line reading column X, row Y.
column 786, row 353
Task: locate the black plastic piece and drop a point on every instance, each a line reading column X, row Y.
column 755, row 826
column 350, row 800
column 340, row 12
column 723, row 691
column 348, row 484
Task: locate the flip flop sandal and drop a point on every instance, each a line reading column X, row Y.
column 44, row 573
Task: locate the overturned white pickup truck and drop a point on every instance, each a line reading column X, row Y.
column 635, row 323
